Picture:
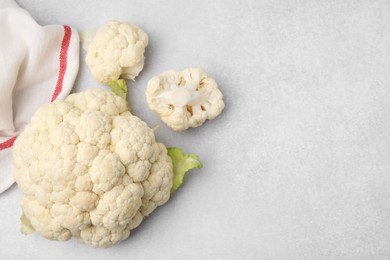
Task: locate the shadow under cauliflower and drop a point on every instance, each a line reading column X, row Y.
column 88, row 168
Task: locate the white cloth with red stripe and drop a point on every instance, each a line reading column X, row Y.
column 38, row 64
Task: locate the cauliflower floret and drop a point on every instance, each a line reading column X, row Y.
column 117, row 50
column 88, row 168
column 185, row 98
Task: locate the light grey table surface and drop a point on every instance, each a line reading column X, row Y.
column 298, row 164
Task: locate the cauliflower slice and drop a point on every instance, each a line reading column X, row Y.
column 87, row 168
column 116, row 50
column 185, row 98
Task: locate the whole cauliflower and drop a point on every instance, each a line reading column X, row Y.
column 88, row 168
column 117, row 50
column 185, row 98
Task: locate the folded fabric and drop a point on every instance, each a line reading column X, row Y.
column 38, row 64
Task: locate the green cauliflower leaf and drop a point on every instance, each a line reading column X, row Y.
column 181, row 164
column 25, row 225
column 119, row 87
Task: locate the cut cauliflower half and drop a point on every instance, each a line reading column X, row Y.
column 88, row 168
column 116, row 50
column 185, row 98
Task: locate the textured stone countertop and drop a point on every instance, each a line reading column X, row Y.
column 298, row 164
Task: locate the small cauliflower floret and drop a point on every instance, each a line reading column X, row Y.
column 185, row 98
column 116, row 50
column 87, row 168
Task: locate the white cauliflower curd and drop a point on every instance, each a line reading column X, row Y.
column 116, row 50
column 185, row 98
column 88, row 168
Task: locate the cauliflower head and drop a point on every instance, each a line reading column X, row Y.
column 185, row 98
column 88, row 168
column 116, row 50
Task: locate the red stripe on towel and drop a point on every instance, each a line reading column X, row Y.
column 7, row 144
column 63, row 61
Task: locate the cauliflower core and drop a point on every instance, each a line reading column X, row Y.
column 88, row 168
column 185, row 98
column 117, row 50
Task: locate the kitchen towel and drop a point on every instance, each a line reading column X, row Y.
column 38, row 64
